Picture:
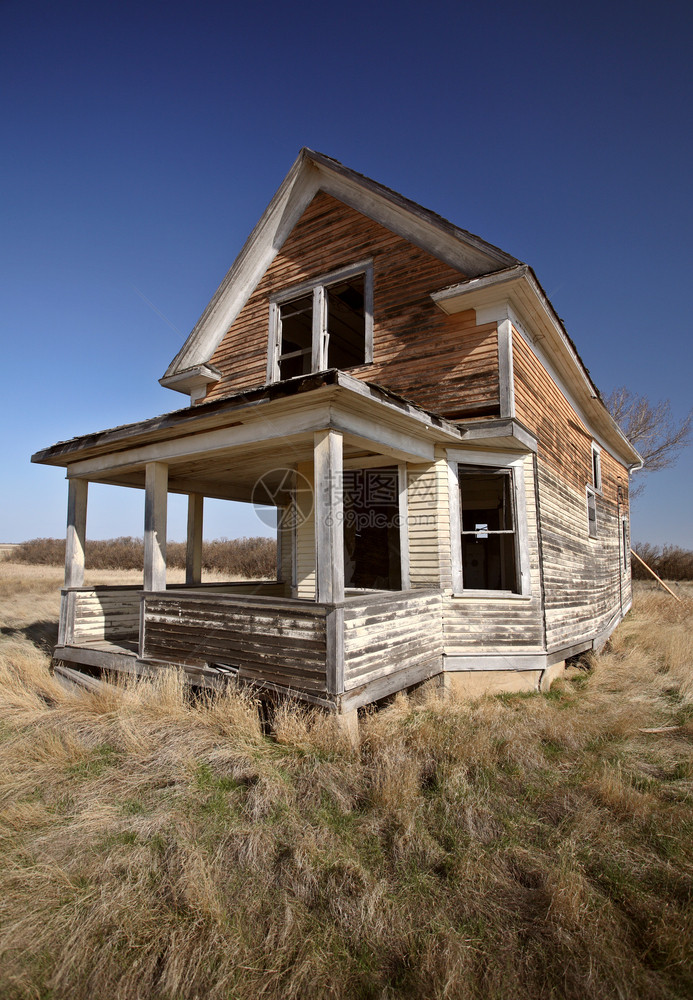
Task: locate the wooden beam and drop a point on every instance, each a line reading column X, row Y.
column 76, row 532
column 193, row 551
column 329, row 516
column 155, row 507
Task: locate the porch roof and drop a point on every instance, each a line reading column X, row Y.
column 222, row 448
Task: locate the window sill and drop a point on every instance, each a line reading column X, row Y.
column 491, row 595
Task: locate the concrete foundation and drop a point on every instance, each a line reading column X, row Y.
column 551, row 674
column 474, row 683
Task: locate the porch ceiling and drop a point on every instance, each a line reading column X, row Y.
column 250, row 474
column 222, row 449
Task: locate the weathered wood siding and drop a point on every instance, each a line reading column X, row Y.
column 444, row 363
column 102, row 613
column 269, row 641
column 385, row 634
column 487, row 624
column 584, row 579
column 429, row 525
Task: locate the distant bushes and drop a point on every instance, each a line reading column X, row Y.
column 251, row 557
column 256, row 557
column 670, row 562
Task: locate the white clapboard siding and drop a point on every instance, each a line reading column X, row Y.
column 384, row 634
column 106, row 614
column 429, row 525
column 583, row 577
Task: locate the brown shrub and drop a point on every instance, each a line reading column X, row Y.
column 670, row 562
column 250, row 557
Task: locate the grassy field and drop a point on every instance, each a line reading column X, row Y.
column 510, row 848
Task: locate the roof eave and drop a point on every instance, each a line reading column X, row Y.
column 520, row 287
column 191, row 379
column 218, row 413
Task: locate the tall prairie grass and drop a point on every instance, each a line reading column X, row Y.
column 154, row 846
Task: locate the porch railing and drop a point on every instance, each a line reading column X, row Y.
column 270, row 641
column 351, row 650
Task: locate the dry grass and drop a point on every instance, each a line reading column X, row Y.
column 510, row 848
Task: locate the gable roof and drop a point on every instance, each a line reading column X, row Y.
column 486, row 267
column 313, row 172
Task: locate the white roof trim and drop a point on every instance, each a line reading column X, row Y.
column 521, row 298
column 189, row 379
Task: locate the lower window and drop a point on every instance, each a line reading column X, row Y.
column 489, row 535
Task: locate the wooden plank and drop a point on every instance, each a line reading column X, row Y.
column 215, row 617
column 403, row 502
column 334, row 651
column 383, row 686
column 505, row 369
column 281, row 604
column 209, row 646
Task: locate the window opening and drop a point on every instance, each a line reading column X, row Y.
column 489, row 548
column 346, row 323
column 591, row 513
column 372, row 553
column 296, row 337
column 596, row 468
column 339, row 335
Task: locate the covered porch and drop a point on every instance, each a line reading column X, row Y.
column 346, row 621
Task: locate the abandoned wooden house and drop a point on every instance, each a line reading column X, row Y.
column 452, row 493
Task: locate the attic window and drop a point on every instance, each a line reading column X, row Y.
column 323, row 324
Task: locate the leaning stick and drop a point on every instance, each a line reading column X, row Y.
column 658, row 579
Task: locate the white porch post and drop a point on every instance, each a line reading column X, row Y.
column 155, row 507
column 329, row 520
column 193, row 551
column 76, row 532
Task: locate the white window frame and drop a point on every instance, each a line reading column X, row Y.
column 320, row 332
column 596, row 472
column 495, row 460
column 591, row 498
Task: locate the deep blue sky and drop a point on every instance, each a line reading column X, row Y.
column 142, row 141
